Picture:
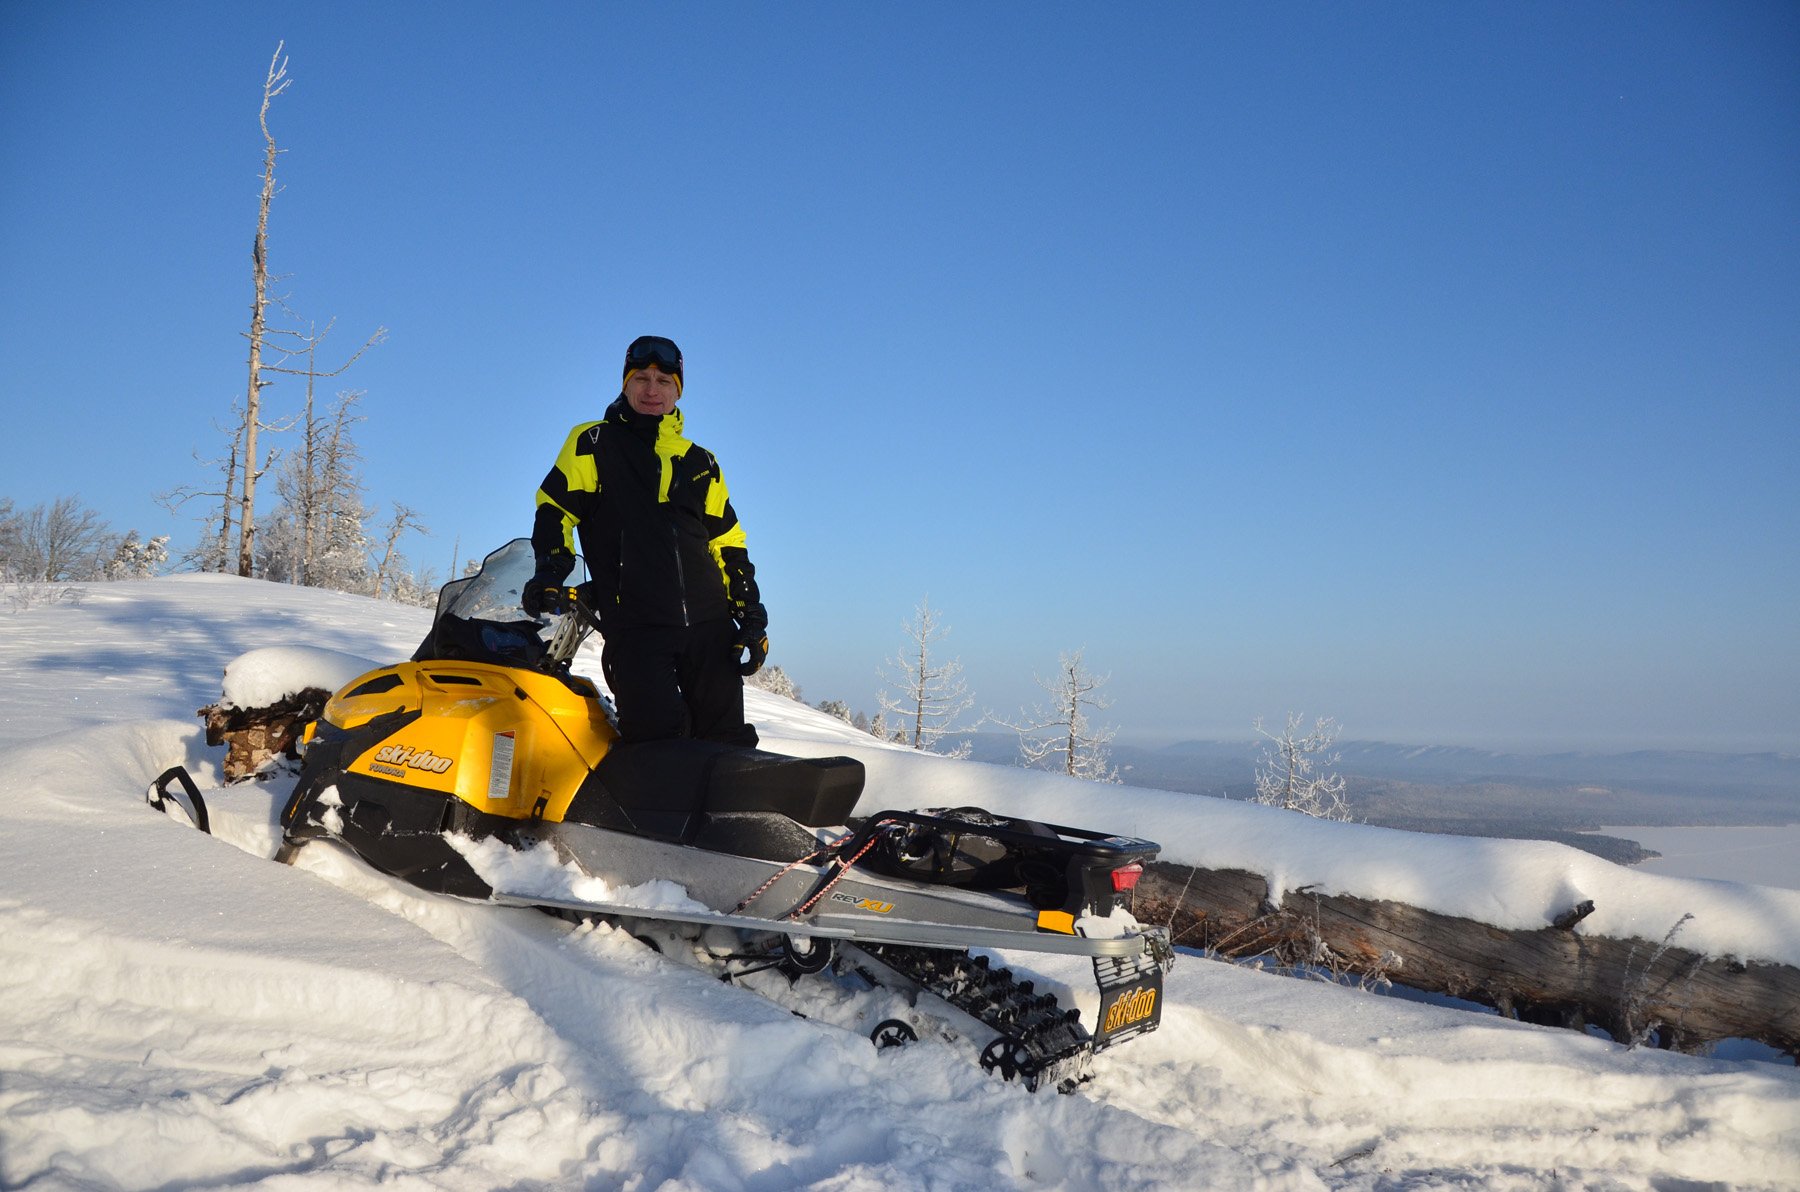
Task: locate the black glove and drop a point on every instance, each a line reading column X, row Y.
column 752, row 637
column 543, row 592
column 549, row 598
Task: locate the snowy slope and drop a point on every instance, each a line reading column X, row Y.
column 180, row 1011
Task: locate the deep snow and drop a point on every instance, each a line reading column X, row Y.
column 180, row 1011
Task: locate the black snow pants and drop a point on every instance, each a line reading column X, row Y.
column 677, row 681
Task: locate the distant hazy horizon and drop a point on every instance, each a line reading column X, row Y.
column 1524, row 747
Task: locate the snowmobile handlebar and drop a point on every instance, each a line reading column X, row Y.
column 574, row 621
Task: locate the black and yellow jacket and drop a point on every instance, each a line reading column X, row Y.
column 662, row 542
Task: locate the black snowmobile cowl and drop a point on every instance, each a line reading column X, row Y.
column 485, row 734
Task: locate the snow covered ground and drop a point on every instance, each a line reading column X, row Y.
column 181, row 1012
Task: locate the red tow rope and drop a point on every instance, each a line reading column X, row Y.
column 838, row 860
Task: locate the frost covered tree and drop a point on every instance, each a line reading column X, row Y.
column 835, row 707
column 1058, row 735
column 320, row 479
column 317, row 535
column 333, row 541
column 327, row 453
column 415, row 587
column 58, row 543
column 775, row 681
column 924, row 693
column 341, row 561
column 319, row 485
column 11, row 542
column 134, row 558
column 1289, row 775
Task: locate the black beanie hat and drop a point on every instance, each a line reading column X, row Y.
column 658, row 350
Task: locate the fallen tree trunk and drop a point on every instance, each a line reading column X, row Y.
column 1638, row 991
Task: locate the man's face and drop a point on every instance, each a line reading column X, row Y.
column 652, row 391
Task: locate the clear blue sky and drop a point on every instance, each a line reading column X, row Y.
column 1433, row 367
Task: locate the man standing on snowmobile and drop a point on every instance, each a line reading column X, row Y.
column 672, row 581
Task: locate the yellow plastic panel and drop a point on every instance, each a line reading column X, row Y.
column 507, row 742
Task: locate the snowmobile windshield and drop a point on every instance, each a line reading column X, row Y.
column 480, row 618
column 494, row 593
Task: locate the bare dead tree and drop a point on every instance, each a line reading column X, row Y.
column 223, row 549
column 924, row 693
column 1059, row 735
column 298, row 345
column 403, row 519
column 274, row 84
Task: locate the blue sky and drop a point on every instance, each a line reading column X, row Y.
column 1433, row 367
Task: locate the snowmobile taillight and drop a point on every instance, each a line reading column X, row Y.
column 1126, row 879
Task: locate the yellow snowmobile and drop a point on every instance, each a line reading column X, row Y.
column 486, row 736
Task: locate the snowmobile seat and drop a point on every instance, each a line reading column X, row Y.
column 819, row 792
column 667, row 789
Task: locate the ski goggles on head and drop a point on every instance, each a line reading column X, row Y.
column 653, row 350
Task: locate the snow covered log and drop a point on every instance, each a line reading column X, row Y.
column 267, row 698
column 1638, row 991
column 254, row 736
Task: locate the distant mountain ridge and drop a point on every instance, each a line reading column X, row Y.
column 1769, row 772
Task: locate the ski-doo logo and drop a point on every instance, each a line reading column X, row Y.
column 864, row 904
column 406, row 755
column 1133, row 1006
